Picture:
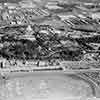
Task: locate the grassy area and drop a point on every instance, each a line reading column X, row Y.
column 47, row 86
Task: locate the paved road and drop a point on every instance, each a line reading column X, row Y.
column 33, row 69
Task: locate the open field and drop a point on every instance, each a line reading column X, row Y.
column 55, row 86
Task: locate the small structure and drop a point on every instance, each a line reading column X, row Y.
column 2, row 62
column 27, row 4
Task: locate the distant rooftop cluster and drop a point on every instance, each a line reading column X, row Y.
column 60, row 27
column 12, row 13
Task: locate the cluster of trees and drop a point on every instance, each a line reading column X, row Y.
column 45, row 46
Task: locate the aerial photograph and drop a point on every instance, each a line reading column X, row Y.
column 49, row 49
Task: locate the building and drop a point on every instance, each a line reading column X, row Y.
column 2, row 62
column 27, row 4
column 5, row 15
column 1, row 6
column 52, row 5
column 11, row 5
column 95, row 15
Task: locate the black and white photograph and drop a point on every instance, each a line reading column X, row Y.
column 49, row 49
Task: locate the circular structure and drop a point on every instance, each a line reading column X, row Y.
column 45, row 86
